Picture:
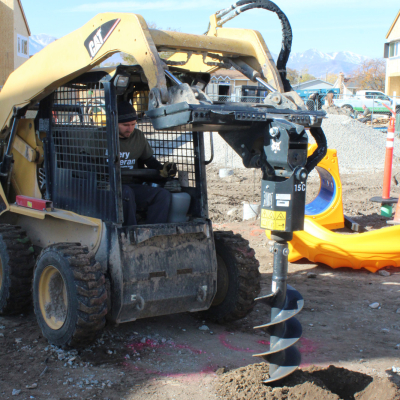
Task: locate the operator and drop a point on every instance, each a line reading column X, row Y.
column 134, row 147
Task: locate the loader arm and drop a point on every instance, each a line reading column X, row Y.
column 110, row 33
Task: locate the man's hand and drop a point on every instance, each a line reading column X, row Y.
column 169, row 170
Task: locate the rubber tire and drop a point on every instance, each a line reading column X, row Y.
column 86, row 294
column 18, row 261
column 348, row 107
column 244, row 278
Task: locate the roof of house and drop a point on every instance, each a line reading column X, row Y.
column 310, row 83
column 24, row 16
column 229, row 73
column 393, row 24
column 316, row 80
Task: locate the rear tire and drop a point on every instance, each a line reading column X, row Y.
column 69, row 295
column 16, row 270
column 238, row 281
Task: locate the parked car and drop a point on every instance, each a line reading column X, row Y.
column 373, row 99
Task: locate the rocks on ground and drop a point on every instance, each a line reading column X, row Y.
column 312, row 383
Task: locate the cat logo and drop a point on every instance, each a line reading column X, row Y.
column 99, row 36
column 276, row 146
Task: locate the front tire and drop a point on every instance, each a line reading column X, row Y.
column 238, row 280
column 69, row 295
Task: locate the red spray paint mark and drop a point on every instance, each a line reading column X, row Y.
column 308, row 346
column 222, row 339
column 264, row 342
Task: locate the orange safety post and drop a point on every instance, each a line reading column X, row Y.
column 387, row 201
column 387, row 174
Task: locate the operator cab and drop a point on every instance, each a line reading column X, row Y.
column 83, row 170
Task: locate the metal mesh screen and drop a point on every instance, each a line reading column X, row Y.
column 79, row 139
column 172, row 145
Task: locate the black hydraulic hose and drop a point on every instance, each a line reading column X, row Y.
column 320, row 152
column 287, row 36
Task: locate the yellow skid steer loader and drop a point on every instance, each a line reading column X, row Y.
column 61, row 208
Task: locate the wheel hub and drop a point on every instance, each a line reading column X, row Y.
column 53, row 297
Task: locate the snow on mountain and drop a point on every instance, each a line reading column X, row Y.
column 319, row 64
column 38, row 42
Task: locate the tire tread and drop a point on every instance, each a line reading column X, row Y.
column 21, row 261
column 89, row 281
column 249, row 277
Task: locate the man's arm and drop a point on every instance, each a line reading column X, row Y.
column 153, row 163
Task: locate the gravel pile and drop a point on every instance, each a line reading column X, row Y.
column 359, row 147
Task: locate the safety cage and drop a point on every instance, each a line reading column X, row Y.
column 79, row 125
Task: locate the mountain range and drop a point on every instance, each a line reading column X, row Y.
column 318, row 63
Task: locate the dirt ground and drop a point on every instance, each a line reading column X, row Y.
column 171, row 358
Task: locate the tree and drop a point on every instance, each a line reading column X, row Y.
column 371, row 74
column 331, row 77
column 295, row 77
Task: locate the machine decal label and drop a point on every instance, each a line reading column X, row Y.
column 273, row 220
column 276, row 146
column 301, row 187
column 267, row 199
column 99, row 36
column 282, row 196
column 282, row 203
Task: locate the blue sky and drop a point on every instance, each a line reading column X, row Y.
column 359, row 26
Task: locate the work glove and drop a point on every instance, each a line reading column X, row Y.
column 169, row 170
column 173, row 186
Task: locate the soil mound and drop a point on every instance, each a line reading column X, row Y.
column 312, row 383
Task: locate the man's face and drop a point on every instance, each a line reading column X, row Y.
column 126, row 129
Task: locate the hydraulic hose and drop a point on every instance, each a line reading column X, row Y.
column 287, row 36
column 320, row 151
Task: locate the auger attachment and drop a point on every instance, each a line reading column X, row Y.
column 285, row 170
column 284, row 329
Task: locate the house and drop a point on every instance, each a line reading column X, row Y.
column 14, row 34
column 392, row 53
column 314, row 84
column 231, row 85
column 347, row 86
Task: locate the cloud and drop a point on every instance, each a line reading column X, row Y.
column 133, row 6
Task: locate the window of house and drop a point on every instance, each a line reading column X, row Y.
column 394, row 50
column 22, row 46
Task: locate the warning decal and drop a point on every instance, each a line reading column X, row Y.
column 273, row 220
